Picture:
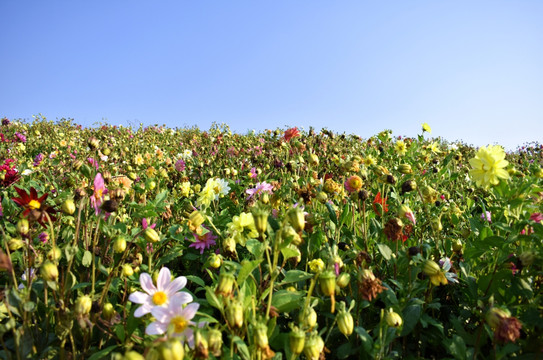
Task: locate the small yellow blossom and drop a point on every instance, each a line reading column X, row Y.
column 316, row 265
column 427, row 128
column 401, row 148
column 488, row 166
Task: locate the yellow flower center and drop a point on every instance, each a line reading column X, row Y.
column 34, row 204
column 160, row 298
column 179, row 324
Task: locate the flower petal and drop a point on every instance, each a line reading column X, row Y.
column 147, row 284
column 156, row 328
column 138, row 297
column 176, row 285
column 164, row 278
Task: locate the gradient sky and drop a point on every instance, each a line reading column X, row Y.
column 473, row 70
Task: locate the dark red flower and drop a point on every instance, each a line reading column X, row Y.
column 35, row 207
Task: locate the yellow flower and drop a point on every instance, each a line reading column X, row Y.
column 427, row 128
column 138, row 159
column 434, row 147
column 185, row 189
column 369, row 160
column 401, row 148
column 243, row 227
column 488, row 166
column 316, row 265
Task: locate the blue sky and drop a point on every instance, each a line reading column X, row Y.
column 473, row 70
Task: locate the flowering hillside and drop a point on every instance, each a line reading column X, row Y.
column 157, row 243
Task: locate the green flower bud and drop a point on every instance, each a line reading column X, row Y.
column 119, row 244
column 49, row 271
column 234, row 315
column 23, row 226
column 108, row 311
column 405, row 169
column 457, row 246
column 68, row 207
column 288, row 232
column 54, row 254
column 127, row 270
column 327, row 281
column 314, row 345
column 393, row 319
column 215, row 261
column 15, row 244
column 214, row 339
column 151, row 235
column 308, row 318
column 225, row 284
column 430, row 268
column 296, row 341
column 261, row 335
column 260, row 217
column 296, row 218
column 345, row 323
column 133, row 355
column 343, row 279
column 527, row 258
column 83, row 305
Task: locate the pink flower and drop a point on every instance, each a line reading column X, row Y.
column 176, row 316
column 97, row 197
column 180, row 165
column 259, row 189
column 291, row 133
column 487, row 216
column 537, row 217
column 203, row 241
column 145, row 224
column 253, row 173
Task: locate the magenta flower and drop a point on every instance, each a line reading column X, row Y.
column 97, row 197
column 253, row 173
column 180, row 165
column 259, row 189
column 145, row 224
column 537, row 217
column 487, row 216
column 203, row 241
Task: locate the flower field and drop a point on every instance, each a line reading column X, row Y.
column 158, row 243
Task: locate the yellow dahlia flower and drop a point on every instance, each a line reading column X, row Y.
column 488, row 166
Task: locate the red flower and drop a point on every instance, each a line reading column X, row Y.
column 382, row 202
column 291, row 133
column 35, row 207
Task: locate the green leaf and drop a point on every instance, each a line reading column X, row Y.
column 286, row 301
column 87, row 258
column 332, row 213
column 289, row 253
column 159, row 200
column 102, row 353
column 410, row 316
column 385, row 251
column 70, row 252
column 255, row 247
column 242, row 348
column 212, row 298
column 196, row 280
column 367, row 341
column 295, row 276
column 247, row 268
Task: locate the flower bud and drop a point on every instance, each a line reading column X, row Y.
column 260, row 217
column 345, row 323
column 133, row 355
column 429, row 195
column 151, row 235
column 288, row 232
column 234, row 315
column 23, row 226
column 343, row 279
column 296, row 341
column 49, row 271
column 93, row 143
column 308, row 318
column 196, row 219
column 119, row 244
column 322, row 197
column 409, row 185
column 457, row 246
column 83, row 305
column 405, row 169
column 393, row 319
column 327, row 281
column 296, row 218
column 314, row 345
column 430, row 268
column 68, row 207
column 215, row 261
column 261, row 335
column 15, row 243
column 127, row 270
column 436, row 224
column 54, row 254
column 495, row 315
column 314, row 159
column 214, row 339
column 225, row 284
column 108, row 311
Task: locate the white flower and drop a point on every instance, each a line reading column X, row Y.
column 164, row 293
column 186, row 154
column 26, row 172
column 220, row 188
column 176, row 316
column 25, row 277
column 445, row 263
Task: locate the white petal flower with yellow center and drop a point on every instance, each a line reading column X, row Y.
column 175, row 316
column 165, row 292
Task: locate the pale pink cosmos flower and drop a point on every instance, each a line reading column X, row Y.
column 177, row 316
column 259, row 189
column 97, row 197
column 163, row 294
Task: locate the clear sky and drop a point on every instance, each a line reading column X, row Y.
column 473, row 70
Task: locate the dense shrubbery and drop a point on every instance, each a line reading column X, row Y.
column 161, row 243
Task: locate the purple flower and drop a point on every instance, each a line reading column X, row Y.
column 180, row 165
column 38, row 159
column 259, row 189
column 43, row 236
column 20, row 137
column 145, row 224
column 487, row 216
column 253, row 173
column 203, row 241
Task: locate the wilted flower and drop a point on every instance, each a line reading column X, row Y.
column 488, row 166
column 369, row 286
